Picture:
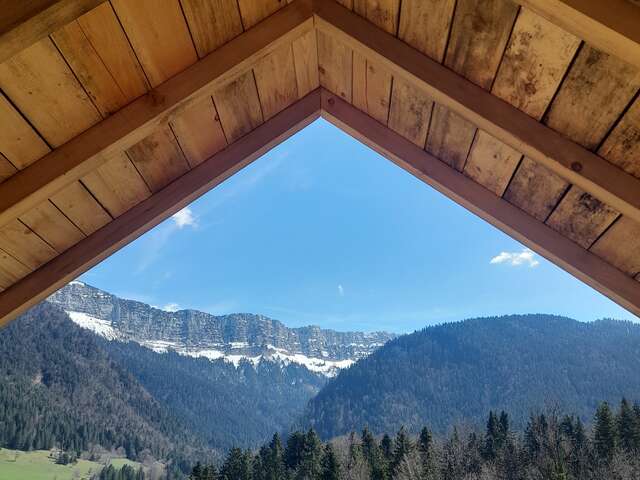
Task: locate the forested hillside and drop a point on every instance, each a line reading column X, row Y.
column 455, row 373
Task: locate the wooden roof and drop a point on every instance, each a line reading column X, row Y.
column 116, row 114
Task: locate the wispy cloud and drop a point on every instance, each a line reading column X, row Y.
column 184, row 218
column 515, row 259
column 171, row 307
column 341, row 290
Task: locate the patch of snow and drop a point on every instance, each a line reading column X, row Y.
column 76, row 282
column 210, row 354
column 238, row 344
column 161, row 346
column 96, row 325
column 328, row 368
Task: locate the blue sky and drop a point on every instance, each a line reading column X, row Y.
column 324, row 231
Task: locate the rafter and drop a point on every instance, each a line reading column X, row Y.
column 505, row 122
column 581, row 263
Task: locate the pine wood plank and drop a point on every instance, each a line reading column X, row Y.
column 117, row 185
column 6, row 168
column 212, row 23
column 622, row 146
column 610, row 26
column 371, row 88
column 20, row 143
column 537, row 56
column 144, row 216
column 410, row 112
column 620, row 246
column 146, row 23
column 24, row 23
column 199, row 132
column 81, row 208
column 238, row 106
column 491, row 163
column 581, row 217
column 24, row 245
column 597, row 89
column 158, row 158
column 11, row 270
column 450, row 137
column 479, row 34
column 305, row 56
column 581, row 263
column 382, row 13
column 41, row 85
column 275, row 78
column 335, row 62
column 254, row 11
column 425, row 25
column 535, row 189
column 52, row 226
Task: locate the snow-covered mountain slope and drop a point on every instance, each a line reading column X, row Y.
column 234, row 338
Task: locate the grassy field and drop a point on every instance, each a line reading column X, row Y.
column 38, row 465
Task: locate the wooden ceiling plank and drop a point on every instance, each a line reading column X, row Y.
column 140, row 118
column 596, row 91
column 160, row 206
column 212, row 23
column 620, row 246
column 43, row 87
column 254, row 11
column 581, row 263
column 622, row 146
column 610, row 26
column 162, row 55
column 19, row 142
column 24, row 23
column 117, row 185
column 425, row 25
column 11, row 270
column 24, row 245
column 450, row 137
column 276, row 81
column 81, row 208
column 238, row 106
column 410, row 112
column 158, row 158
column 491, row 163
column 371, row 88
column 305, row 55
column 52, row 226
column 335, row 65
column 503, row 121
column 382, row 13
column 6, row 168
column 199, row 132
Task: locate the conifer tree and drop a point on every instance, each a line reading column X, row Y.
column 330, row 464
column 373, row 456
column 604, row 433
column 237, row 466
column 402, row 447
column 311, row 461
column 386, row 445
column 627, row 424
column 425, row 447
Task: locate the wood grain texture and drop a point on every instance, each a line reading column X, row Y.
column 212, row 23
column 581, row 217
column 81, row 208
column 335, row 63
column 52, row 226
column 238, row 106
column 305, row 56
column 25, row 246
column 41, row 85
column 24, row 23
column 199, row 132
column 254, row 11
column 146, row 23
column 450, row 137
column 622, row 146
column 425, row 25
column 535, row 189
column 275, row 77
column 382, row 13
column 581, row 263
column 147, row 214
column 620, row 246
column 6, row 168
column 479, row 34
column 158, row 158
column 537, row 56
column 491, row 163
column 597, row 89
column 371, row 88
column 410, row 112
column 19, row 142
column 11, row 270
column 117, row 185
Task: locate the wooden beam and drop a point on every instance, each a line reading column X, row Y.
column 130, row 225
column 89, row 150
column 24, row 22
column 612, row 26
column 576, row 164
column 540, row 238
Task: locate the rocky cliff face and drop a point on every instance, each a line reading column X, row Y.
column 235, row 337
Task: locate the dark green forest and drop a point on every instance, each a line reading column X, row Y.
column 454, row 373
column 550, row 447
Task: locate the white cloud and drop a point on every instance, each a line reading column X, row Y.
column 515, row 259
column 184, row 218
column 171, row 307
column 340, row 290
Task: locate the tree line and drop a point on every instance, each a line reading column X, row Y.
column 550, row 447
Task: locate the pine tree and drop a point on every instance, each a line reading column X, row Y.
column 293, row 452
column 373, row 456
column 273, row 463
column 237, row 466
column 402, row 447
column 491, row 438
column 330, row 464
column 627, row 424
column 310, row 465
column 386, row 445
column 425, row 447
column 605, row 433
